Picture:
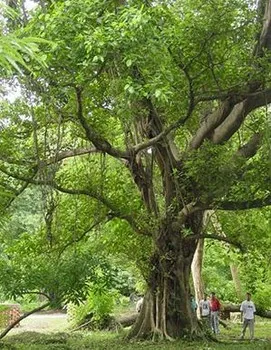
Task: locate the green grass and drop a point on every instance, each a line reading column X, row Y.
column 111, row 341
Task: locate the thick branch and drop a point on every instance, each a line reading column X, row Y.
column 128, row 320
column 236, row 117
column 189, row 209
column 71, row 153
column 265, row 37
column 98, row 141
column 216, row 237
column 249, row 149
column 181, row 121
column 227, row 119
column 210, row 123
column 241, row 110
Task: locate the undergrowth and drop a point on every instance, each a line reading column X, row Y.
column 228, row 340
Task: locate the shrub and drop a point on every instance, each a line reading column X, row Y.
column 95, row 311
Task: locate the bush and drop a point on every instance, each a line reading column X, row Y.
column 95, row 311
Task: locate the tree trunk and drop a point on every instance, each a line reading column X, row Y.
column 259, row 311
column 167, row 311
column 196, row 269
column 197, row 262
column 236, row 281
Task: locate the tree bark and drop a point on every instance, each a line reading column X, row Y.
column 236, row 281
column 197, row 262
column 259, row 311
column 127, row 321
column 167, row 311
column 196, row 270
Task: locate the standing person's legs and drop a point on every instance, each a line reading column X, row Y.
column 251, row 328
column 244, row 327
column 212, row 321
column 216, row 323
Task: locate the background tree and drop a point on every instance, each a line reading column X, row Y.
column 165, row 98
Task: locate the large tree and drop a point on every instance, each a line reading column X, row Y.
column 161, row 101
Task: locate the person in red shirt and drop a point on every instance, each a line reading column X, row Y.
column 215, row 308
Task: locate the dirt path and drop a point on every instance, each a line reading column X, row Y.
column 42, row 323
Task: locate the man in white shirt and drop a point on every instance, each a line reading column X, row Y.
column 205, row 310
column 139, row 304
column 247, row 314
column 204, row 306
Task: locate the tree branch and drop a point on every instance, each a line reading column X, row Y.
column 84, row 233
column 227, row 119
column 71, row 153
column 216, row 237
column 189, row 209
column 259, row 310
column 245, row 205
column 26, row 314
column 238, row 114
column 115, row 212
column 210, row 123
column 98, row 141
column 20, row 191
column 264, row 41
column 163, row 134
column 249, row 149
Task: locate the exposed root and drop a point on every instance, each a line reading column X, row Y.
column 164, row 317
column 157, row 335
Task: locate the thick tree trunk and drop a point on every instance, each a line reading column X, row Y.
column 167, row 311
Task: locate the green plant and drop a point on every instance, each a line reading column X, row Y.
column 95, row 311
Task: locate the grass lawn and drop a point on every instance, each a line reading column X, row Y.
column 111, row 341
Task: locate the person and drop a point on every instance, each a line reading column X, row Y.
column 194, row 305
column 205, row 308
column 139, row 304
column 215, row 307
column 248, row 316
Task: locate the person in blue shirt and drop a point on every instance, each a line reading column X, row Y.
column 194, row 305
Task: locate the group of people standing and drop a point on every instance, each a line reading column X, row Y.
column 209, row 313
column 209, row 310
